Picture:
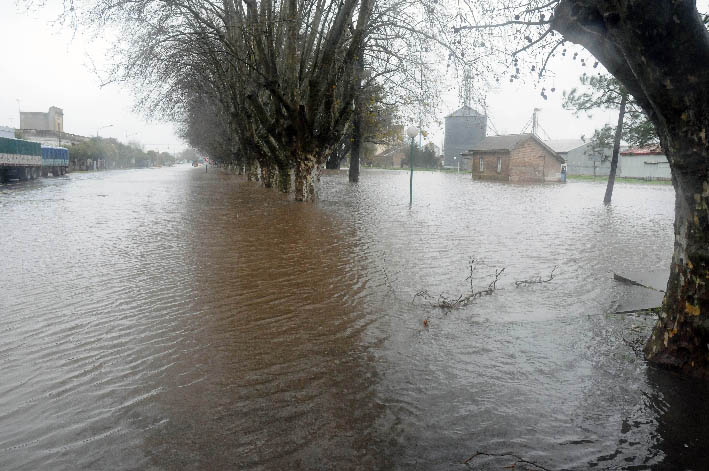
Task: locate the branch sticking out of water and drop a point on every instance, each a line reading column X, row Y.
column 450, row 303
column 506, row 455
column 536, row 279
column 657, row 311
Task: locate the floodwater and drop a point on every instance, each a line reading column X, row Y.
column 170, row 319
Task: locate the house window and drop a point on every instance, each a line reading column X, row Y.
column 499, row 164
column 482, row 164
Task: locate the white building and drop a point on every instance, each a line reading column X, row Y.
column 648, row 163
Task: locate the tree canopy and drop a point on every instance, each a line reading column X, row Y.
column 606, row 92
column 274, row 83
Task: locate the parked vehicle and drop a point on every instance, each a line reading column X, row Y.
column 54, row 160
column 19, row 159
column 27, row 160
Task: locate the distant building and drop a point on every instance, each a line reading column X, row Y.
column 389, row 158
column 464, row 129
column 53, row 120
column 7, row 132
column 563, row 146
column 51, row 138
column 47, row 128
column 648, row 163
column 581, row 158
column 515, row 158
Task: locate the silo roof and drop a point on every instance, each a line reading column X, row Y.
column 464, row 111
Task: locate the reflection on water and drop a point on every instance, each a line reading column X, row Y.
column 172, row 319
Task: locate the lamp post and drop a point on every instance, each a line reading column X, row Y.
column 412, row 132
column 103, row 127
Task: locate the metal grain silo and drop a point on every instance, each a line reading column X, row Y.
column 465, row 128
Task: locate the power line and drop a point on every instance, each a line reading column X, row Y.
column 492, row 126
column 539, row 126
column 526, row 126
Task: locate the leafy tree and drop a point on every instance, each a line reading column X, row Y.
column 117, row 154
column 606, row 92
column 188, row 155
column 378, row 127
column 423, row 156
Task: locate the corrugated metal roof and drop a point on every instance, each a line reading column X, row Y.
column 464, row 111
column 650, row 150
column 564, row 145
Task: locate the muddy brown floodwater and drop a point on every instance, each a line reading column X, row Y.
column 171, row 319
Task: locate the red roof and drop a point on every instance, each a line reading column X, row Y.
column 649, row 150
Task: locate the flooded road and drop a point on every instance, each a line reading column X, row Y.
column 171, row 319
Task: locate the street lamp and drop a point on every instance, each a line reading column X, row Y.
column 103, row 127
column 412, row 132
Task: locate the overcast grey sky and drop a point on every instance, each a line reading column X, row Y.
column 45, row 66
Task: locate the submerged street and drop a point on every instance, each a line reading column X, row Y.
column 174, row 319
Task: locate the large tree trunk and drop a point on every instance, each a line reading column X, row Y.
column 660, row 51
column 681, row 337
column 268, row 175
column 333, row 161
column 252, row 171
column 356, row 151
column 304, row 185
column 284, row 180
column 616, row 150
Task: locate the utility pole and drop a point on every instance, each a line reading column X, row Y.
column 535, row 123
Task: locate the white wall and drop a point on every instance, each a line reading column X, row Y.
column 653, row 167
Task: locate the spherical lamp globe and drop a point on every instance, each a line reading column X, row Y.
column 412, row 131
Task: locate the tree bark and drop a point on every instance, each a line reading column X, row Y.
column 616, row 150
column 268, row 174
column 304, row 186
column 333, row 161
column 284, row 180
column 357, row 122
column 660, row 51
column 252, row 171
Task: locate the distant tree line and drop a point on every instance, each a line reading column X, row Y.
column 423, row 156
column 116, row 154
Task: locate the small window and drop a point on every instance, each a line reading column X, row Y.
column 499, row 164
column 482, row 164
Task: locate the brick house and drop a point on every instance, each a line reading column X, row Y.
column 515, row 158
column 389, row 158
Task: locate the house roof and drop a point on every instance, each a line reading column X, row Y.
column 505, row 142
column 649, row 150
column 464, row 110
column 508, row 142
column 564, row 145
column 388, row 152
